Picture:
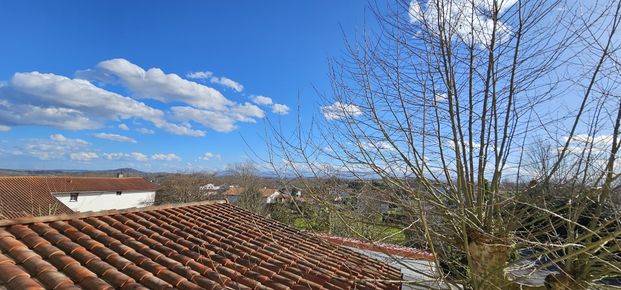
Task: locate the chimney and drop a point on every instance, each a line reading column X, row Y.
column 119, row 175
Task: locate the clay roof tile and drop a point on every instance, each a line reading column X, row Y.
column 207, row 245
column 22, row 196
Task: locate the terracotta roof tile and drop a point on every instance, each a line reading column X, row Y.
column 32, row 195
column 194, row 246
column 380, row 247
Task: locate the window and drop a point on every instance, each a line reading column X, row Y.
column 73, row 197
column 119, row 192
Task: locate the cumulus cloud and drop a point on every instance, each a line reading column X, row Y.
column 199, row 75
column 154, row 84
column 81, row 103
column 219, row 121
column 223, row 81
column 137, row 156
column 440, row 97
column 462, row 17
column 145, row 131
column 340, row 110
column 208, row 156
column 280, row 109
column 165, row 157
column 115, row 137
column 262, row 100
column 73, row 104
column 56, row 146
column 67, row 141
column 83, row 156
column 229, row 83
column 597, row 144
column 377, row 145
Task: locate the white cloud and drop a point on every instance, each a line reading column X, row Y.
column 166, row 157
column 247, row 112
column 219, row 121
column 154, row 84
column 224, row 81
column 378, row 145
column 340, row 110
column 207, row 118
column 475, row 145
column 280, row 109
column 462, row 17
column 45, row 99
column 83, row 156
column 51, row 100
column 62, row 139
column 4, row 128
column 56, row 147
column 208, row 156
column 440, row 97
column 261, row 100
column 229, row 83
column 115, row 137
column 145, row 131
column 137, row 156
column 114, row 156
column 199, row 75
column 582, row 142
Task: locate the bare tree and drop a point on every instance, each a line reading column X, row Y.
column 443, row 102
column 245, row 175
column 183, row 187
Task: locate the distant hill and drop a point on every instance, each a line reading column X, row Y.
column 127, row 172
column 111, row 172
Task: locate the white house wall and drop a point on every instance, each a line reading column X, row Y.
column 97, row 201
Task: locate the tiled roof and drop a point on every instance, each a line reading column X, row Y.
column 207, row 245
column 23, row 196
column 384, row 248
column 31, row 195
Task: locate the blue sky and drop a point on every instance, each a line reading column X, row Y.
column 159, row 86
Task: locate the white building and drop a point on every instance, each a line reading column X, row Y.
column 209, row 187
column 78, row 194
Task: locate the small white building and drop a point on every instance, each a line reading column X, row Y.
column 82, row 194
column 209, row 187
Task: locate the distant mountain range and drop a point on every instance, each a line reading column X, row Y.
column 110, row 172
column 127, row 172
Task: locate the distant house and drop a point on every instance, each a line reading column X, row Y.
column 269, row 195
column 48, row 195
column 209, row 187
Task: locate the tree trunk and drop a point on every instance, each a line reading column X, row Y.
column 489, row 256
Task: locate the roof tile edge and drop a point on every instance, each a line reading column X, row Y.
column 31, row 220
column 387, row 249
